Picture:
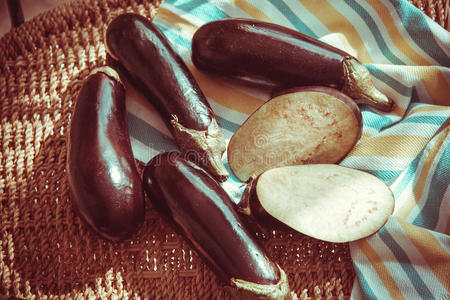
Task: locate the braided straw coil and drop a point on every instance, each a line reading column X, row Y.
column 437, row 10
column 46, row 251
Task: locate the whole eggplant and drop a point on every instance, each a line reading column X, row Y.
column 279, row 58
column 149, row 63
column 105, row 185
column 199, row 209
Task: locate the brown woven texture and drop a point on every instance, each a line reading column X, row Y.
column 45, row 249
column 438, row 10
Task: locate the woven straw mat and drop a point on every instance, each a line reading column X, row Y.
column 45, row 249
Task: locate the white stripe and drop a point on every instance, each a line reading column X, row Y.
column 272, row 12
column 188, row 17
column 384, row 34
column 381, row 163
column 404, row 195
column 430, row 113
column 230, row 9
column 400, row 100
column 411, row 129
column 226, row 113
column 184, row 52
column 142, row 152
column 305, row 16
column 406, row 36
column 308, row 18
column 363, row 30
column 391, row 263
column 335, row 39
column 407, row 195
column 414, row 256
column 370, row 131
column 408, row 79
column 424, row 197
column 369, row 273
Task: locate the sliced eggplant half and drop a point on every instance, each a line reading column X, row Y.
column 325, row 201
column 302, row 126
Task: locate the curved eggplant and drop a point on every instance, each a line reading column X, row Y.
column 146, row 58
column 280, row 58
column 105, row 185
column 197, row 206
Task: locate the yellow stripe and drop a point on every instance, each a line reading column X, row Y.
column 394, row 33
column 379, row 267
column 391, row 146
column 419, row 188
column 433, row 80
column 336, row 22
column 177, row 21
column 225, row 95
column 433, row 253
column 429, row 108
column 251, row 10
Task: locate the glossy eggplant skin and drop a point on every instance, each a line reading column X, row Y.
column 146, row 58
column 156, row 70
column 106, row 188
column 197, row 206
column 267, row 54
column 278, row 58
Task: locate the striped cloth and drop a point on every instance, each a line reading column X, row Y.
column 408, row 56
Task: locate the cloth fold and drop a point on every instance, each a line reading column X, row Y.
column 408, row 55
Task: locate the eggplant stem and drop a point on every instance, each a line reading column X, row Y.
column 358, row 84
column 251, row 290
column 209, row 143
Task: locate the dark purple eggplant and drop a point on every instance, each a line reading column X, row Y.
column 279, row 58
column 199, row 209
column 105, row 185
column 149, row 63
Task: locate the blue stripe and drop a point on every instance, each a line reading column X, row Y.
column 402, row 258
column 433, row 120
column 429, row 214
column 200, row 8
column 392, row 82
column 173, row 36
column 375, row 31
column 417, row 27
column 293, row 18
column 227, row 124
column 387, row 176
column 149, row 135
column 374, row 120
column 409, row 175
column 364, row 284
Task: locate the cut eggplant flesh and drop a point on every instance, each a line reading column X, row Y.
column 326, row 201
column 307, row 125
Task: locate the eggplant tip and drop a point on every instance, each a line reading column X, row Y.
column 203, row 147
column 242, row 289
column 358, row 85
